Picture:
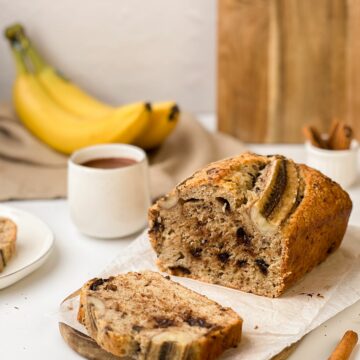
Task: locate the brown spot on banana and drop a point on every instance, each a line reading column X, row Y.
column 95, row 309
column 289, row 196
column 171, row 345
column 278, row 196
column 91, row 318
column 274, row 189
column 166, row 350
column 174, row 112
column 2, row 260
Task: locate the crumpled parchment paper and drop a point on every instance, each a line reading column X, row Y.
column 270, row 325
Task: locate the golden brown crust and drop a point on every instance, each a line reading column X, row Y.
column 214, row 344
column 81, row 311
column 317, row 227
column 217, row 172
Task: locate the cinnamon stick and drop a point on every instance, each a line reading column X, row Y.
column 345, row 347
column 332, row 132
column 314, row 136
column 340, row 136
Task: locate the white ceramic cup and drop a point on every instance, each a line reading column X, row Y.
column 108, row 203
column 338, row 165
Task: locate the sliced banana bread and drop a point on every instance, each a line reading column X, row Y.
column 7, row 241
column 254, row 223
column 147, row 316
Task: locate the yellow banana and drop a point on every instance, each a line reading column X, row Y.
column 63, row 131
column 163, row 119
column 63, row 91
column 70, row 97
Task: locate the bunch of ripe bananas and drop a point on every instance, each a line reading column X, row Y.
column 66, row 118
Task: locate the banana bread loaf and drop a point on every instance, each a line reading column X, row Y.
column 254, row 223
column 147, row 316
column 7, row 241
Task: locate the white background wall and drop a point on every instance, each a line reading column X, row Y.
column 122, row 50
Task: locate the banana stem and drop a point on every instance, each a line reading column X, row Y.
column 18, row 55
column 16, row 35
column 36, row 59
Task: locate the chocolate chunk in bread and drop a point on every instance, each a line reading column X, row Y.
column 163, row 320
column 259, row 223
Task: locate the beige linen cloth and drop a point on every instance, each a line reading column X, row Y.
column 31, row 170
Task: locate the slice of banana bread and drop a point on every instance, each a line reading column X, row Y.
column 254, row 223
column 7, row 241
column 147, row 316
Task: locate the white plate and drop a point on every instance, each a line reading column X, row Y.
column 33, row 245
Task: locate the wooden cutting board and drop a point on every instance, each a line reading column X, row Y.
column 89, row 349
column 286, row 63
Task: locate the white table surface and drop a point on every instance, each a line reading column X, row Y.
column 28, row 322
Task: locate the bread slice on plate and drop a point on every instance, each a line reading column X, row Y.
column 7, row 241
column 254, row 223
column 147, row 316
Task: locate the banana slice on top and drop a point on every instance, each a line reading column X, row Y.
column 280, row 186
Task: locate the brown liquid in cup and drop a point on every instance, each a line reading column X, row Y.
column 109, row 163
